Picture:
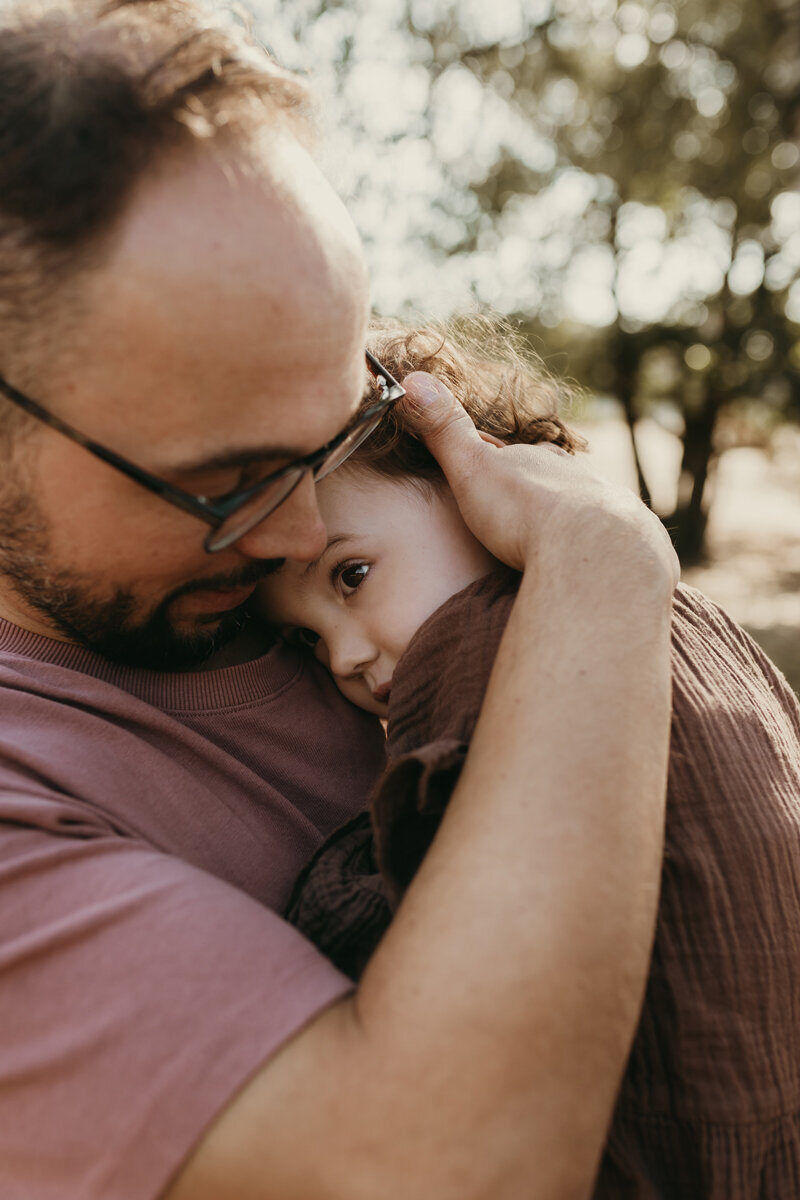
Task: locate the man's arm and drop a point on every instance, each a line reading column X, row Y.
column 481, row 1053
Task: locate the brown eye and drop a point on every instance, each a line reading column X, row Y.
column 353, row 575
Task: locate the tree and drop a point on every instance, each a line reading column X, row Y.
column 685, row 117
column 619, row 176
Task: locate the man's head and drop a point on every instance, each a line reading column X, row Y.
column 178, row 282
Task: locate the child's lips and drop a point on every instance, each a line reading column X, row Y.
column 381, row 694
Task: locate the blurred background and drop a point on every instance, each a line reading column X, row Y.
column 623, row 179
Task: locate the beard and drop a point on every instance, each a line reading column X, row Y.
column 109, row 625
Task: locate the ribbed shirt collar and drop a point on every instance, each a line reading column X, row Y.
column 189, row 691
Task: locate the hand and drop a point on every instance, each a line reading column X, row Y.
column 520, row 499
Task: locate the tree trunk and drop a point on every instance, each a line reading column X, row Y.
column 687, row 524
column 625, row 394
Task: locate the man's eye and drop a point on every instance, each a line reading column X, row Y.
column 351, row 575
column 214, row 489
column 230, row 483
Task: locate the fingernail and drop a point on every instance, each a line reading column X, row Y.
column 426, row 389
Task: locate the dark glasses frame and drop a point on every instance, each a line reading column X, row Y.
column 217, row 513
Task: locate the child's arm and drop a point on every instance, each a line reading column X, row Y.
column 482, row 1050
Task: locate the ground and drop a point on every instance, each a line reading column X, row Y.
column 753, row 567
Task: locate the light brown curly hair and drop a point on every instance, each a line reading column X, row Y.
column 506, row 389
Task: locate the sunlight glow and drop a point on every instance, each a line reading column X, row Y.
column 405, row 148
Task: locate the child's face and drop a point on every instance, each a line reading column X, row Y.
column 393, row 556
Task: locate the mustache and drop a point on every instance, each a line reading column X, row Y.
column 251, row 574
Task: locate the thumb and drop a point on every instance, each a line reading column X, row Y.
column 433, row 414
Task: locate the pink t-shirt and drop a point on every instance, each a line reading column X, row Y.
column 151, row 827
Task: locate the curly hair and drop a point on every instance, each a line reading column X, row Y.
column 506, row 389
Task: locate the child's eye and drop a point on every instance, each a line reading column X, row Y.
column 305, row 638
column 350, row 576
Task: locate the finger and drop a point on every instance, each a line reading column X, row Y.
column 436, row 416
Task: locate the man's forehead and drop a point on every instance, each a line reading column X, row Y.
column 270, row 229
column 223, row 303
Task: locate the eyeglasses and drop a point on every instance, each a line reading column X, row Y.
column 235, row 514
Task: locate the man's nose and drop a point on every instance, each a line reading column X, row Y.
column 294, row 530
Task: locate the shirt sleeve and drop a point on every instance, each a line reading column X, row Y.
column 138, row 994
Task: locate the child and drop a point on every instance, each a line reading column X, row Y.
column 406, row 609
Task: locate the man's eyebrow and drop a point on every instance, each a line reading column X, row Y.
column 332, row 541
column 242, row 457
column 246, row 455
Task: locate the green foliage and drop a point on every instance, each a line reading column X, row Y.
column 690, row 113
column 621, row 177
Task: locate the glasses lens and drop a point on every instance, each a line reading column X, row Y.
column 265, row 502
column 346, row 448
column 251, row 514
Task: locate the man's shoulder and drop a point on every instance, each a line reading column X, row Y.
column 238, row 778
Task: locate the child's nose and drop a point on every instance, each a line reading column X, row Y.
column 351, row 654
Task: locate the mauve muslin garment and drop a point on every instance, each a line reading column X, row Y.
column 709, row 1107
column 150, row 826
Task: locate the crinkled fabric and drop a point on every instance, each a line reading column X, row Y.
column 709, row 1106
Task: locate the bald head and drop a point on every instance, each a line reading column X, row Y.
column 230, row 275
column 262, row 222
column 92, row 97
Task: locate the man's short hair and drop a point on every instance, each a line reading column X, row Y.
column 91, row 95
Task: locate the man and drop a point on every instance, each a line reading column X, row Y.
column 183, row 309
